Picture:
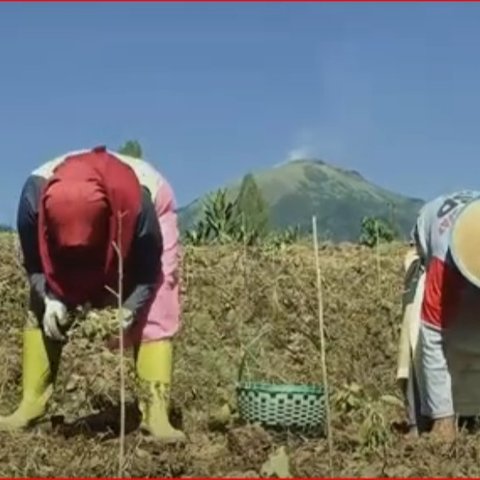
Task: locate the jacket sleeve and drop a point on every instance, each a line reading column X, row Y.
column 27, row 226
column 166, row 213
column 421, row 232
column 145, row 256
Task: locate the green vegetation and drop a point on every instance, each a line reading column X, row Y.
column 341, row 199
column 276, row 206
column 131, row 148
column 251, row 207
column 375, row 231
column 227, row 221
column 220, row 223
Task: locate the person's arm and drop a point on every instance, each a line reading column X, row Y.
column 418, row 238
column 145, row 257
column 167, row 215
column 27, row 226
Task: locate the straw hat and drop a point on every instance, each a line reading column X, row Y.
column 465, row 242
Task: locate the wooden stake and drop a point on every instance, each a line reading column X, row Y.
column 322, row 345
column 119, row 295
column 377, row 255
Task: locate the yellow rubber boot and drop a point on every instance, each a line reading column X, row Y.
column 154, row 370
column 40, row 365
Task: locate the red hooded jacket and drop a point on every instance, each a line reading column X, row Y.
column 88, row 208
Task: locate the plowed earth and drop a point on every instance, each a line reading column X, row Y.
column 229, row 298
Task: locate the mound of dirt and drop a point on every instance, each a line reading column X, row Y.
column 263, row 302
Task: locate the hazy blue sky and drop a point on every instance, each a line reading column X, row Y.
column 214, row 90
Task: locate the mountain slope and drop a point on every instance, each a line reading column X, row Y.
column 340, row 198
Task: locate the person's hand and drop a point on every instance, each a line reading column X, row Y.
column 113, row 342
column 127, row 318
column 54, row 318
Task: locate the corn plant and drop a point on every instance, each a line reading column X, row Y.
column 220, row 223
column 198, row 235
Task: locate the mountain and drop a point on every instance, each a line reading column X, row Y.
column 297, row 190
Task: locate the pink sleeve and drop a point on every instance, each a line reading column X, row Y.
column 165, row 206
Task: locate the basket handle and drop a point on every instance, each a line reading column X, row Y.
column 246, row 351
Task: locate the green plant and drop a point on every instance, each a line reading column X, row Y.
column 374, row 231
column 374, row 430
column 220, row 223
column 354, row 406
column 196, row 236
column 252, row 209
column 287, row 237
column 132, row 148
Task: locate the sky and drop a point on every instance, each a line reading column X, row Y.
column 215, row 90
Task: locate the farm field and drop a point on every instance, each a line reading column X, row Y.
column 228, row 298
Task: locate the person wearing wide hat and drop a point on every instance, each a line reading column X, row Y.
column 445, row 321
column 71, row 234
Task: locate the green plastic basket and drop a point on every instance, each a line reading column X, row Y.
column 276, row 405
column 281, row 405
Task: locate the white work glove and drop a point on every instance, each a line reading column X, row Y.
column 128, row 318
column 55, row 316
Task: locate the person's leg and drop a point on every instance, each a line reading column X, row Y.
column 153, row 360
column 152, row 337
column 41, row 357
column 437, row 381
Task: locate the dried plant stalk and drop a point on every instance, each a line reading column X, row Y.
column 119, row 296
column 377, row 255
column 322, row 346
